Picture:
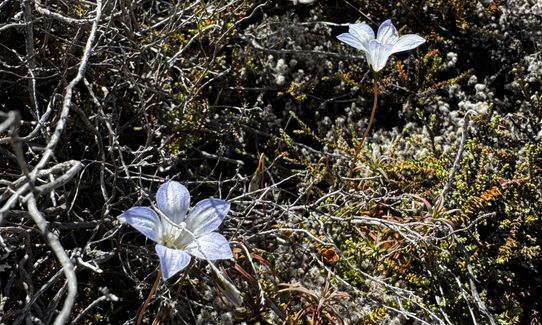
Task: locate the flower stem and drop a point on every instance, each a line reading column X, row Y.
column 148, row 300
column 373, row 113
column 360, row 144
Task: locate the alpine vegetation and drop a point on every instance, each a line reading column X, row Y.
column 387, row 42
column 179, row 232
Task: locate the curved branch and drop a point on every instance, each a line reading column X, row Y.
column 62, row 256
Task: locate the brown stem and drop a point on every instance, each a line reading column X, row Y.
column 359, row 147
column 372, row 118
column 148, row 300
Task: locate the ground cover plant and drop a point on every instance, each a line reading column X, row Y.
column 114, row 115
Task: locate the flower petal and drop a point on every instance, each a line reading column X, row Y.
column 363, row 32
column 387, row 33
column 378, row 55
column 206, row 216
column 212, row 246
column 145, row 220
column 171, row 260
column 173, row 199
column 352, row 41
column 407, row 42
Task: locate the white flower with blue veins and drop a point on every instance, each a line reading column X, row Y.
column 179, row 232
column 387, row 42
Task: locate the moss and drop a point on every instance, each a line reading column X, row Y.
column 375, row 316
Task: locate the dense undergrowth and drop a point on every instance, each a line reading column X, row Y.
column 257, row 102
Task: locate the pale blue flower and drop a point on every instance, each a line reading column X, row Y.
column 378, row 50
column 179, row 232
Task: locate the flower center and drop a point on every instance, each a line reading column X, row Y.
column 176, row 236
